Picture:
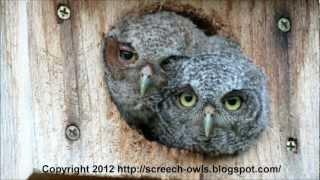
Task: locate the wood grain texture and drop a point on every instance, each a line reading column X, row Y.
column 52, row 75
column 16, row 114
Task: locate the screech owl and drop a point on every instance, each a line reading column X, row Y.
column 135, row 50
column 213, row 104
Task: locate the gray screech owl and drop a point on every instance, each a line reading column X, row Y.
column 213, row 104
column 135, row 50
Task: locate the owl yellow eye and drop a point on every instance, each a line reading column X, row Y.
column 187, row 99
column 232, row 103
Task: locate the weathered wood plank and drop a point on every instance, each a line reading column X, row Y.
column 16, row 114
column 67, row 86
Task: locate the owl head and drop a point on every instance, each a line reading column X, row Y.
column 214, row 103
column 142, row 43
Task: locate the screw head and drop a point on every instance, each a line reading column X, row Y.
column 292, row 144
column 72, row 132
column 63, row 12
column 284, row 24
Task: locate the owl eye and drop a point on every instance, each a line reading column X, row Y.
column 232, row 103
column 127, row 54
column 187, row 99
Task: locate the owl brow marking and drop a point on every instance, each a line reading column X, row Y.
column 175, row 92
column 126, row 47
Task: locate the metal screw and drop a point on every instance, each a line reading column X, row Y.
column 292, row 144
column 72, row 132
column 284, row 24
column 63, row 12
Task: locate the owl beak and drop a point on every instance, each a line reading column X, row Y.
column 208, row 120
column 145, row 83
column 145, row 80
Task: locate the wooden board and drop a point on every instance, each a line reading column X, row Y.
column 16, row 115
column 52, row 75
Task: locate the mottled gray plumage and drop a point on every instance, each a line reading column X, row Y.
column 154, row 38
column 212, row 78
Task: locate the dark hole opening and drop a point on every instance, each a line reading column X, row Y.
column 201, row 22
column 208, row 23
column 145, row 130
